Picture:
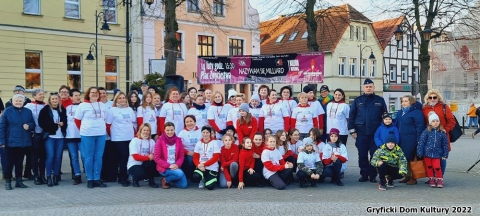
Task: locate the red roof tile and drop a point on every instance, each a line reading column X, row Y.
column 384, row 29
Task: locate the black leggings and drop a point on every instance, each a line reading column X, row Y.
column 253, row 179
column 210, row 178
column 148, row 169
column 122, row 154
column 15, row 157
column 38, row 155
column 280, row 179
column 110, row 162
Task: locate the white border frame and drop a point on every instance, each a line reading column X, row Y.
column 79, row 8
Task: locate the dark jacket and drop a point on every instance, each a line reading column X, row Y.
column 380, row 137
column 45, row 120
column 433, row 144
column 2, row 107
column 366, row 114
column 12, row 133
column 410, row 125
column 9, row 102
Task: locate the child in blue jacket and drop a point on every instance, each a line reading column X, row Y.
column 384, row 129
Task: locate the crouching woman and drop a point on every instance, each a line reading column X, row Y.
column 140, row 162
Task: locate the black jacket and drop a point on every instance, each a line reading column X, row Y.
column 45, row 120
column 366, row 114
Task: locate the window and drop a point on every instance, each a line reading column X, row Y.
column 235, row 47
column 357, row 33
column 393, row 72
column 178, row 35
column 364, row 34
column 409, row 43
column 72, row 9
column 305, row 35
column 415, row 74
column 74, row 71
column 364, row 68
column 280, row 38
column 31, row 6
column 373, row 68
column 293, row 36
column 218, row 8
column 341, row 66
column 193, row 6
column 110, row 10
column 111, row 73
column 404, row 73
column 33, row 70
column 352, row 32
column 353, row 65
column 205, row 45
column 400, row 44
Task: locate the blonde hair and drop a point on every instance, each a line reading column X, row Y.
column 215, row 93
column 411, row 99
column 50, row 102
column 433, row 91
column 139, row 133
column 144, row 101
column 116, row 98
column 228, row 135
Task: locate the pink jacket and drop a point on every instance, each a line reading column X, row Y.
column 161, row 154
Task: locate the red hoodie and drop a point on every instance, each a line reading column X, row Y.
column 247, row 130
column 227, row 157
column 246, row 161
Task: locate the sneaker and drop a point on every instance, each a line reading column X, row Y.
column 382, row 187
column 145, row 180
column 440, row 183
column 201, row 185
column 431, row 181
column 389, row 182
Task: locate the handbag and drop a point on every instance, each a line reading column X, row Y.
column 418, row 168
column 456, row 132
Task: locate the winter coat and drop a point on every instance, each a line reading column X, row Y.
column 471, row 112
column 12, row 133
column 433, row 144
column 410, row 125
column 394, row 158
column 366, row 114
column 382, row 132
column 161, row 154
column 45, row 120
column 447, row 123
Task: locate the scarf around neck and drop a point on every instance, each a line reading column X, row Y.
column 199, row 107
column 169, row 140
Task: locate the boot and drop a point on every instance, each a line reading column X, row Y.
column 165, row 185
column 98, row 183
column 412, row 181
column 125, row 183
column 49, row 181
column 8, row 184
column 90, row 184
column 19, row 184
column 405, row 180
column 59, row 177
column 313, row 183
column 440, row 183
column 135, row 184
column 37, row 180
column 43, row 179
column 151, row 183
column 303, row 184
column 55, row 180
column 77, row 180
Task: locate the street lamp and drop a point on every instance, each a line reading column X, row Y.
column 371, row 57
column 105, row 28
column 427, row 34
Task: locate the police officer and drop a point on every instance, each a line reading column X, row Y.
column 365, row 117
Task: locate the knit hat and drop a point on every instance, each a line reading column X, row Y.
column 19, row 88
column 255, row 97
column 144, row 83
column 154, row 87
column 134, row 88
column 334, row 131
column 386, row 115
column 229, row 127
column 324, row 88
column 307, row 144
column 391, row 138
column 244, row 107
column 432, row 116
column 231, row 93
column 307, row 89
column 367, row 81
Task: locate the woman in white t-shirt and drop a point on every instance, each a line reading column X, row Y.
column 205, row 157
column 287, row 100
column 303, row 116
column 190, row 135
column 274, row 115
column 141, row 164
column 120, row 128
column 173, row 111
column 90, row 119
column 337, row 115
column 146, row 113
column 217, row 114
column 199, row 110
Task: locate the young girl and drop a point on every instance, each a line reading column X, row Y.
column 309, row 166
column 169, row 154
column 173, row 111
column 190, row 135
column 247, row 174
column 294, row 142
column 134, row 103
column 205, row 158
column 217, row 114
column 185, row 98
column 274, row 115
column 247, row 124
column 337, row 113
column 228, row 162
column 233, row 114
column 283, row 147
column 334, row 157
column 314, row 137
column 433, row 146
column 276, row 170
column 146, row 113
column 267, row 132
column 303, row 117
column 258, row 147
column 141, row 164
column 157, row 102
column 199, row 110
column 384, row 129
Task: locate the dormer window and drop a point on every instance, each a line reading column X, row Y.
column 293, row 36
column 305, row 35
column 280, row 38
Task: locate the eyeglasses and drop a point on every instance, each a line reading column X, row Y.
column 433, row 97
column 64, row 92
column 53, row 93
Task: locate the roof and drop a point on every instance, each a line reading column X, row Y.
column 332, row 24
column 386, row 28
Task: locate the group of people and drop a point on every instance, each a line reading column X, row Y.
column 201, row 137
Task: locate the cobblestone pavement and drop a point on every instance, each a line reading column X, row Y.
column 461, row 190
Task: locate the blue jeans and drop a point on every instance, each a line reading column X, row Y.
column 73, row 147
column 54, row 151
column 92, row 148
column 188, row 166
column 474, row 121
column 176, row 176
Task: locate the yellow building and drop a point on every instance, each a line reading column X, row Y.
column 237, row 34
column 44, row 44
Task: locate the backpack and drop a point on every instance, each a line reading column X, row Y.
column 477, row 111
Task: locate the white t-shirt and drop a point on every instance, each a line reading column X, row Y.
column 56, row 119
column 141, row 147
column 171, row 153
column 304, row 118
column 93, row 117
column 274, row 114
column 149, row 116
column 270, row 155
column 206, row 152
column 282, row 149
column 294, row 147
column 35, row 108
column 190, row 138
column 108, row 104
column 328, row 150
column 317, row 107
column 308, row 160
column 233, row 115
column 219, row 115
column 255, row 112
column 200, row 116
column 121, row 120
column 174, row 112
column 290, row 105
column 337, row 117
column 72, row 130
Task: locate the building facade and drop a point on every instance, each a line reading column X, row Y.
column 44, row 44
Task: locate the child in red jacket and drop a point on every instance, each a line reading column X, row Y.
column 228, row 162
column 247, row 174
